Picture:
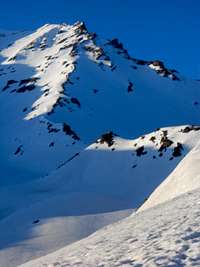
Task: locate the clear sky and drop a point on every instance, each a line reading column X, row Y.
column 168, row 30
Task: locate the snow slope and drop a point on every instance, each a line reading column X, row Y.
column 166, row 235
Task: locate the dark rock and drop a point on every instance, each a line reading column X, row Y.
column 28, row 80
column 113, row 68
column 152, row 138
column 175, row 78
column 116, row 44
column 140, row 151
column 51, row 144
column 134, row 67
column 68, row 131
column 163, row 70
column 140, row 62
column 19, row 151
column 75, row 101
column 12, row 58
column 177, row 150
column 165, row 132
column 187, row 129
column 61, row 31
column 165, row 143
column 26, row 88
column 157, row 63
column 9, row 82
column 36, row 221
column 81, row 28
column 130, row 87
column 92, row 35
column 107, row 138
column 62, row 40
column 51, row 129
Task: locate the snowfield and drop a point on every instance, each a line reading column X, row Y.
column 166, row 235
column 88, row 132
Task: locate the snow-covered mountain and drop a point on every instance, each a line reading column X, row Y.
column 62, row 88
column 87, row 133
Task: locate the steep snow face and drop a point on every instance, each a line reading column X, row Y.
column 184, row 178
column 103, row 183
column 166, row 235
column 62, row 87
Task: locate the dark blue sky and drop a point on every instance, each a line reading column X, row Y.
column 150, row 29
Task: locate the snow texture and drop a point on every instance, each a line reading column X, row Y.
column 166, row 235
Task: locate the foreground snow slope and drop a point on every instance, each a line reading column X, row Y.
column 166, row 235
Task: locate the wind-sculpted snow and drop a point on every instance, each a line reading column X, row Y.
column 166, row 235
